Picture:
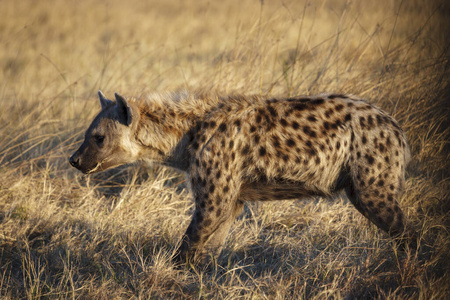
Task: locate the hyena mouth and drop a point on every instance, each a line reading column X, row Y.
column 96, row 168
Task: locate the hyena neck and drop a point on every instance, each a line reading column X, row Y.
column 166, row 124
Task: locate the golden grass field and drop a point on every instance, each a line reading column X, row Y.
column 111, row 235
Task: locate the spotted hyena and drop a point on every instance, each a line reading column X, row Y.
column 236, row 149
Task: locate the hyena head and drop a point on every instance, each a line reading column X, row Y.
column 107, row 141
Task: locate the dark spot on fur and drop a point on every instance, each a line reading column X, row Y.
column 290, row 142
column 218, row 212
column 390, row 198
column 309, row 131
column 336, row 124
column 317, row 101
column 223, row 127
column 207, row 223
column 276, row 142
column 283, row 122
column 371, row 180
column 272, row 111
column 379, row 120
column 333, row 96
column 295, row 125
column 370, row 159
column 347, row 117
column 311, row 118
column 246, row 150
column 152, row 117
column 226, row 189
column 300, row 106
column 262, row 151
column 362, row 122
column 370, row 121
column 339, row 107
column 329, row 112
column 338, row 145
column 312, row 152
column 380, row 182
column 364, row 139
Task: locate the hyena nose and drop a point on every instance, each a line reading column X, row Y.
column 74, row 161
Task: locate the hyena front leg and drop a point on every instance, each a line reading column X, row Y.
column 206, row 234
column 216, row 207
column 217, row 239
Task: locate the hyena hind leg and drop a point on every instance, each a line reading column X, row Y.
column 378, row 203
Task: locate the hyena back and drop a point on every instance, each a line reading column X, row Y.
column 238, row 149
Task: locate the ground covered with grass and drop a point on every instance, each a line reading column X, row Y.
column 111, row 235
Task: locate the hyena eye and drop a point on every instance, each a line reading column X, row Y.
column 99, row 139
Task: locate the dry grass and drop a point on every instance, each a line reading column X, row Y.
column 63, row 235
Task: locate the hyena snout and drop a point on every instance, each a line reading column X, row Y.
column 74, row 160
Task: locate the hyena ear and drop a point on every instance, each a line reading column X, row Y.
column 123, row 110
column 104, row 102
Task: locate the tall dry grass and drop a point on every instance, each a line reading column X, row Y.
column 64, row 235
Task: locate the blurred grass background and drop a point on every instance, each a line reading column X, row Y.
column 111, row 235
